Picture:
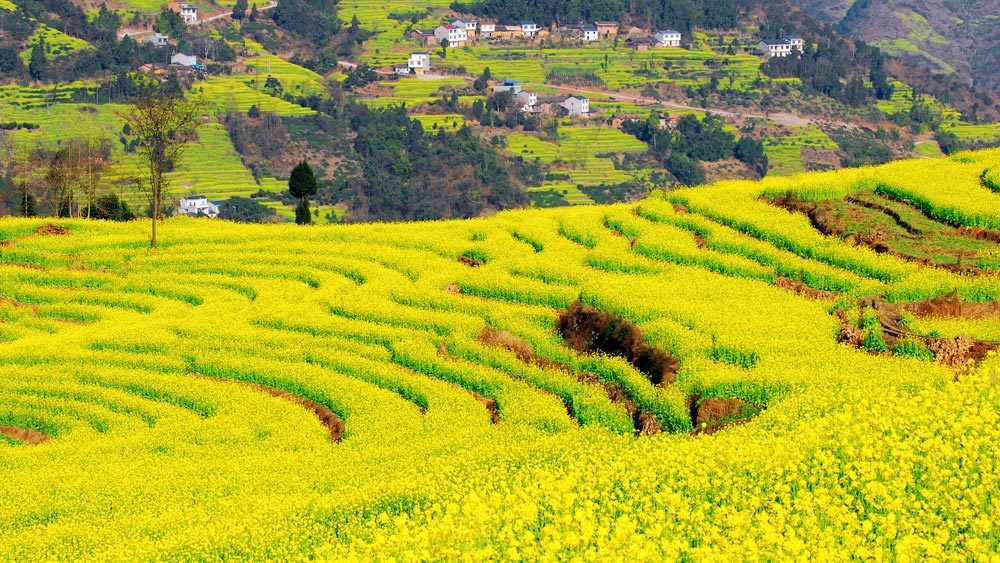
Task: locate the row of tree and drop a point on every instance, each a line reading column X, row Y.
column 679, row 149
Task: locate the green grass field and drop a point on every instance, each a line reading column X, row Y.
column 237, row 94
column 784, row 154
column 57, row 43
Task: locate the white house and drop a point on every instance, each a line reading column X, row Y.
column 486, row 29
column 456, row 36
column 183, row 60
column 590, row 33
column 668, row 38
column 189, row 13
column 775, row 48
column 796, row 42
column 576, row 105
column 468, row 25
column 419, row 62
column 157, row 40
column 197, row 206
column 529, row 28
column 526, row 100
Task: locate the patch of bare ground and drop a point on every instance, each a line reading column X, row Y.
column 712, row 414
column 644, row 422
column 980, row 234
column 470, row 261
column 587, row 329
column 24, row 435
column 50, row 229
column 952, row 306
column 46, row 229
column 821, row 214
column 800, row 288
column 958, row 353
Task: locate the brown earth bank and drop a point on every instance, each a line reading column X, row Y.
column 46, row 229
column 712, row 414
column 800, row 288
column 24, row 435
column 957, row 352
column 326, row 416
column 644, row 422
column 952, row 306
column 587, row 329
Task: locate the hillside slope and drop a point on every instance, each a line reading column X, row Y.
column 960, row 36
column 425, row 391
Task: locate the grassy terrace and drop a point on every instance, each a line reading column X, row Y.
column 235, row 94
column 26, row 97
column 57, row 43
column 616, row 67
column 784, row 154
column 210, row 167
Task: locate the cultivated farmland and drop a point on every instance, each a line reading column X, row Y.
column 702, row 374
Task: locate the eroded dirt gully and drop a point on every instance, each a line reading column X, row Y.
column 24, row 435
column 589, row 330
column 955, row 352
column 830, row 217
column 643, row 422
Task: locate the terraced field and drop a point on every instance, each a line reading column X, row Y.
column 234, row 93
column 210, row 167
column 584, row 153
column 57, row 43
column 616, row 67
column 784, row 154
column 425, row 391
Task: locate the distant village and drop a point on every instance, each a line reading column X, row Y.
column 462, row 32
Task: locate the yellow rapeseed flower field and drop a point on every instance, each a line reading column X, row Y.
column 400, row 391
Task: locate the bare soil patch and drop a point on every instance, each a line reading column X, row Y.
column 644, row 422
column 952, row 306
column 587, row 330
column 50, row 229
column 470, row 262
column 24, row 435
column 800, row 288
column 713, row 414
column 980, row 234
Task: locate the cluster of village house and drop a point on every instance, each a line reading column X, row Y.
column 460, row 32
column 529, row 101
column 178, row 60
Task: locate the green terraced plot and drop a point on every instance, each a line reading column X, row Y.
column 210, row 166
column 577, row 153
column 784, row 154
column 57, row 43
column 234, row 94
column 444, row 122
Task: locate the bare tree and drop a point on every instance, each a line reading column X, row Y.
column 162, row 124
